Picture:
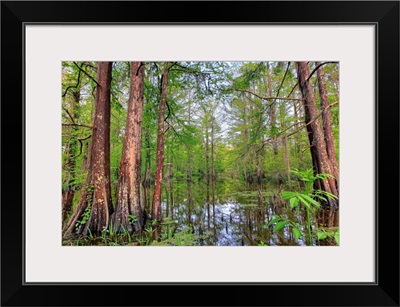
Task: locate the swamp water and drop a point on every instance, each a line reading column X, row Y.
column 233, row 217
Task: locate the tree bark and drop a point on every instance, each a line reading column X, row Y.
column 272, row 111
column 207, row 177
column 146, row 180
column 326, row 120
column 97, row 191
column 189, row 170
column 259, row 187
column 287, row 157
column 315, row 133
column 296, row 138
column 156, row 206
column 171, row 186
column 129, row 201
column 213, row 175
column 69, row 192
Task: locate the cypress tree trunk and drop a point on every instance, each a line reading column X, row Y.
column 146, row 180
column 96, row 196
column 207, row 178
column 213, row 175
column 321, row 161
column 326, row 120
column 156, row 207
column 129, row 201
column 171, row 185
column 272, row 110
column 259, row 187
column 189, row 170
column 287, row 157
column 69, row 192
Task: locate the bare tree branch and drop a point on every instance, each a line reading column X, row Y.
column 81, row 69
column 283, row 80
column 77, row 125
column 314, row 119
column 268, row 98
column 316, row 68
column 81, row 144
column 69, row 114
column 297, row 130
column 73, row 86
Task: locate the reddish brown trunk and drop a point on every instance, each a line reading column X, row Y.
column 316, row 135
column 129, row 201
column 146, row 183
column 69, row 191
column 67, row 199
column 97, row 192
column 156, row 207
column 138, row 69
column 327, row 121
column 313, row 149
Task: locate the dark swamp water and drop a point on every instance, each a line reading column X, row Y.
column 238, row 217
column 232, row 215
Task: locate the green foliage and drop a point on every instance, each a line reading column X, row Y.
column 204, row 98
column 296, row 233
column 85, row 216
column 281, row 221
column 185, row 237
column 307, row 197
column 324, row 233
column 132, row 219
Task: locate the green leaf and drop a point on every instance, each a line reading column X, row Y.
column 323, row 176
column 320, row 197
column 294, row 201
column 273, row 221
column 296, row 233
column 321, row 235
column 312, row 201
column 287, row 195
column 304, row 201
column 262, row 243
column 337, row 237
column 330, row 195
column 280, row 225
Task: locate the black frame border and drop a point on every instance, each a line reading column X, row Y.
column 383, row 14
